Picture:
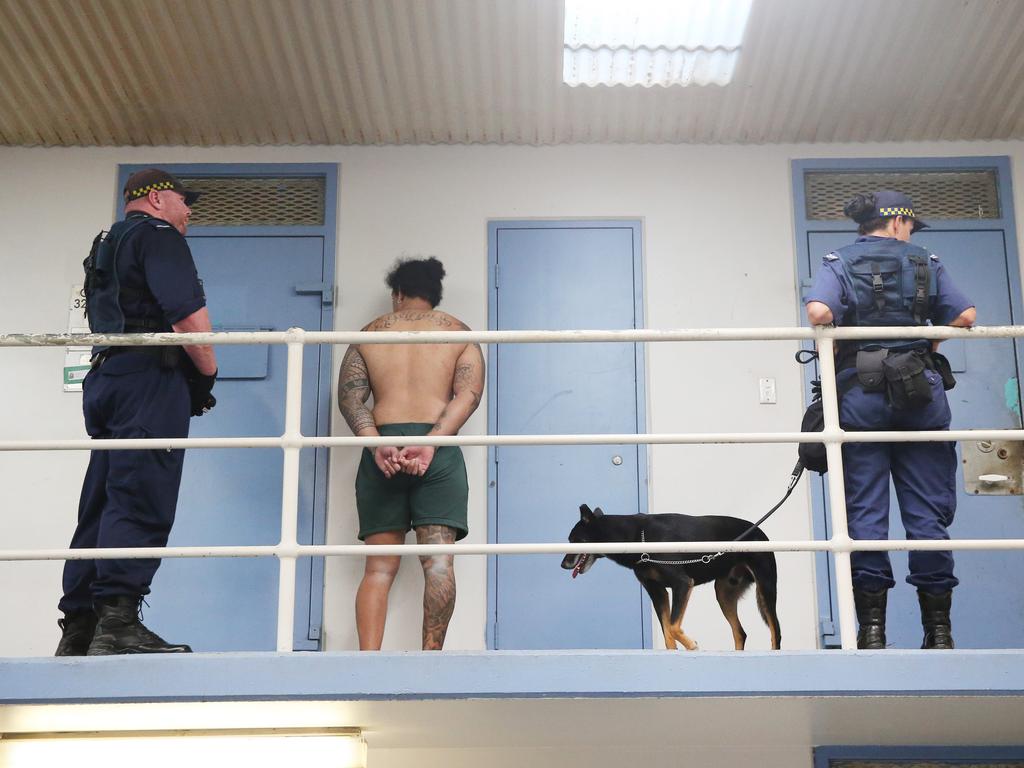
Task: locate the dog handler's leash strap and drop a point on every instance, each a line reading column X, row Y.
column 645, row 558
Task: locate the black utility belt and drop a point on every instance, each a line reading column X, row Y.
column 900, row 375
column 169, row 357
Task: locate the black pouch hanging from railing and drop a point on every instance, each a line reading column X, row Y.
column 812, row 455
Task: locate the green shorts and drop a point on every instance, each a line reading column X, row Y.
column 439, row 497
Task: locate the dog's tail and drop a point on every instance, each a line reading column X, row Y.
column 762, row 566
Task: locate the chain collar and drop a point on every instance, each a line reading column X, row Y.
column 646, row 558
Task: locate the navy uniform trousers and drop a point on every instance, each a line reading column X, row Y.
column 924, row 475
column 129, row 496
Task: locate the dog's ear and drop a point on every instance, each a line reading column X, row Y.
column 585, row 514
column 598, row 512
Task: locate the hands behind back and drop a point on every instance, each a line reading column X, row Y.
column 388, row 459
column 416, row 459
column 413, row 460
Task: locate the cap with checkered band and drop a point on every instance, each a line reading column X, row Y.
column 141, row 183
column 889, row 203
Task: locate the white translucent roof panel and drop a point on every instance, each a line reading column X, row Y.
column 645, row 67
column 653, row 42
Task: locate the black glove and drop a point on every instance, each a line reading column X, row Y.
column 200, row 387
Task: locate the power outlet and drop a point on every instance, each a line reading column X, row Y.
column 766, row 391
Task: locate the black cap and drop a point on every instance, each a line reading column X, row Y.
column 891, row 203
column 141, row 183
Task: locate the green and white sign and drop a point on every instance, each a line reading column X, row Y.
column 76, row 359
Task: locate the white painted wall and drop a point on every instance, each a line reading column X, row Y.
column 719, row 251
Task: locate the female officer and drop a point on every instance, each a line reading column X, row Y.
column 883, row 280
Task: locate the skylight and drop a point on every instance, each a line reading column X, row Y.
column 653, row 42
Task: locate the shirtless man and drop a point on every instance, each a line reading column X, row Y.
column 418, row 389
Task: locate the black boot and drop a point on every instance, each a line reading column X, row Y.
column 120, row 631
column 938, row 632
column 77, row 629
column 871, row 617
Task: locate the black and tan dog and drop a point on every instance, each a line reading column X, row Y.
column 732, row 572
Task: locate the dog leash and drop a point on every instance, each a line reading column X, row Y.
column 645, row 558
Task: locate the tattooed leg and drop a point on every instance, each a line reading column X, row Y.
column 372, row 597
column 438, row 585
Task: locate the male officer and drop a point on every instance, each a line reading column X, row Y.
column 883, row 280
column 140, row 278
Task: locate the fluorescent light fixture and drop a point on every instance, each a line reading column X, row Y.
column 270, row 748
column 653, row 42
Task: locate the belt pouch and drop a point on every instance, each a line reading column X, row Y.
column 940, row 364
column 905, row 383
column 870, row 371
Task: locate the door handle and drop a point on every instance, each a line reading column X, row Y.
column 805, row 286
column 325, row 290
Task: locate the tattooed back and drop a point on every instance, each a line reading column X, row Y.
column 412, row 382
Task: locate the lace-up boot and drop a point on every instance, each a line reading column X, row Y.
column 871, row 618
column 77, row 629
column 121, row 631
column 938, row 631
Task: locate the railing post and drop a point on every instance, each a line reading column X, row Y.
column 837, row 496
column 290, row 493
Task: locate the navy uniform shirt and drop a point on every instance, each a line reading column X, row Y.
column 830, row 289
column 156, row 260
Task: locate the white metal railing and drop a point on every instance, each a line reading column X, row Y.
column 292, row 441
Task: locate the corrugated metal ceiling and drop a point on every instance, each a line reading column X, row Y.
column 198, row 72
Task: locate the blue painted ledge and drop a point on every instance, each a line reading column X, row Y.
column 508, row 674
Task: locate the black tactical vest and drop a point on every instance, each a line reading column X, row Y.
column 890, row 283
column 103, row 291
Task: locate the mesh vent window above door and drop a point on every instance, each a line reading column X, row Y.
column 968, row 194
column 238, row 201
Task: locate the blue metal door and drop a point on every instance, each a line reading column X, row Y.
column 561, row 276
column 988, row 609
column 233, row 496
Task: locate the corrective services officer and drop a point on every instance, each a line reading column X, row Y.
column 894, row 384
column 140, row 278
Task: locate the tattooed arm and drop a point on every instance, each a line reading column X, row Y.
column 467, row 389
column 353, row 392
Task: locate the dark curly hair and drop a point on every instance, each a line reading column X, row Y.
column 417, row 278
column 862, row 210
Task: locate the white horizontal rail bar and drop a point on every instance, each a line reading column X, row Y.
column 651, row 547
column 504, row 337
column 687, row 438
